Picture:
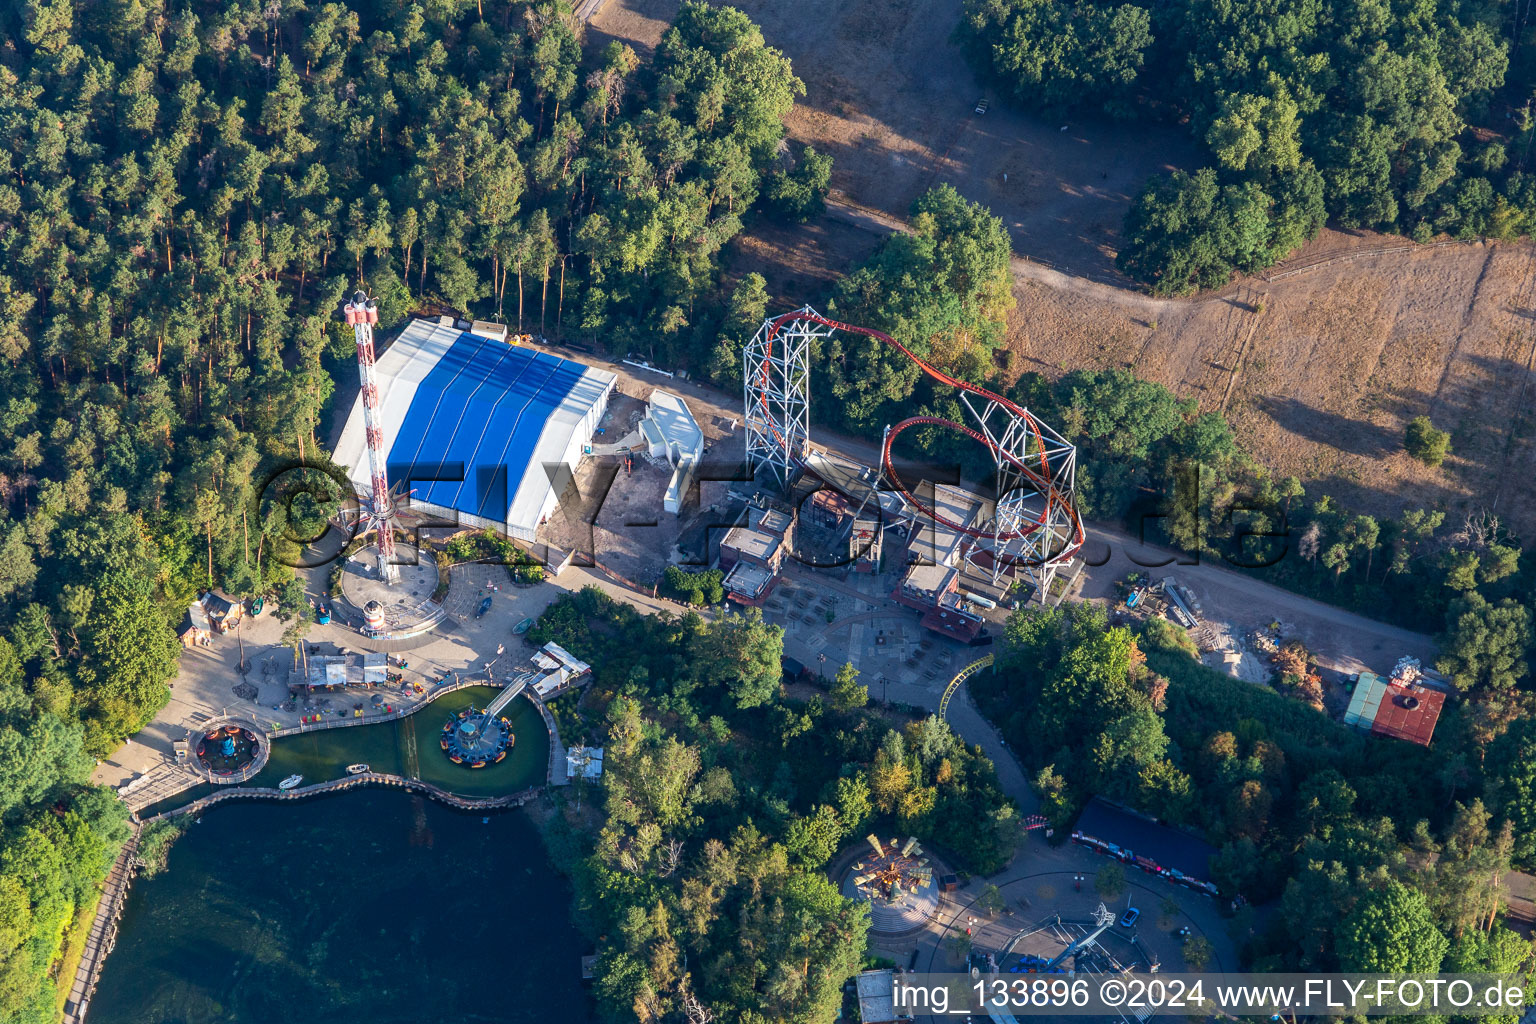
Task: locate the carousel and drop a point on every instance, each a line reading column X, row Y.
column 227, row 750
column 476, row 739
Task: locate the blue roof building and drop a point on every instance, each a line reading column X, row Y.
column 478, row 431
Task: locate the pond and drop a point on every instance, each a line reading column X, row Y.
column 371, row 906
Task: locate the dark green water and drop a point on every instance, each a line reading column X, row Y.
column 372, row 906
column 388, row 747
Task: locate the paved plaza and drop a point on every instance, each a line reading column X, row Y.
column 459, row 646
column 1039, row 887
column 836, row 616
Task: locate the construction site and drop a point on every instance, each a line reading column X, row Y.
column 1403, row 703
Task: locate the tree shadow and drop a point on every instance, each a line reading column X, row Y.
column 1329, row 428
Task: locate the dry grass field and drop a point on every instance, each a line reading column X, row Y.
column 1320, row 369
column 1319, row 364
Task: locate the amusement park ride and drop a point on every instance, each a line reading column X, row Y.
column 483, row 736
column 1035, row 526
column 375, row 512
column 892, row 874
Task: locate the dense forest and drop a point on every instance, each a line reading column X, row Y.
column 187, row 187
column 1151, row 461
column 1413, row 118
column 943, row 288
column 1384, row 856
column 700, row 874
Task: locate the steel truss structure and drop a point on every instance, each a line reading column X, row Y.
column 377, row 511
column 776, row 375
column 1030, row 531
column 1034, row 529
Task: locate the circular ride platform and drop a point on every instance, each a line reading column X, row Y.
column 393, row 610
column 229, row 750
column 899, row 884
column 475, row 739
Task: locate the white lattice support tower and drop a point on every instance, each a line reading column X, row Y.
column 777, row 393
column 379, row 511
column 1030, row 530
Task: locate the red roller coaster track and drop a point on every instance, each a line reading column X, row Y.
column 1041, row 478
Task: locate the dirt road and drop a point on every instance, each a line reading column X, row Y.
column 1319, row 364
column 891, row 97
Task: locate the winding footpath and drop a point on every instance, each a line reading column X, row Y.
column 1039, row 866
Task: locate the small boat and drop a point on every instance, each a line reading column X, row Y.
column 357, row 769
column 455, row 758
column 290, row 782
column 477, row 764
column 443, row 743
column 499, row 757
column 485, row 606
column 522, row 627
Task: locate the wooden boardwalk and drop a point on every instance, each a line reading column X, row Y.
column 557, row 773
column 170, row 779
column 352, row 782
column 103, row 933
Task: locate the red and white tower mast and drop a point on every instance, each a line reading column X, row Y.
column 379, row 514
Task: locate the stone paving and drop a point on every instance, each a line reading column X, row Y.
column 901, row 662
column 897, row 659
column 1039, row 885
column 203, row 690
column 408, row 604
